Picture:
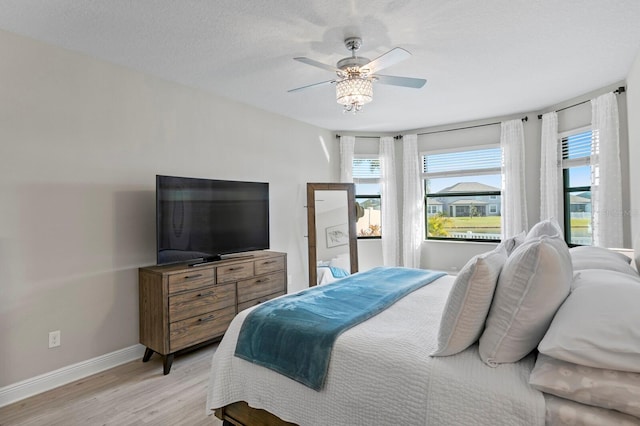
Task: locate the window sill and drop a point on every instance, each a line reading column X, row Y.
column 484, row 243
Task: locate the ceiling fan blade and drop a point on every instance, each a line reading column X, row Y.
column 385, row 60
column 317, row 64
column 322, row 83
column 414, row 83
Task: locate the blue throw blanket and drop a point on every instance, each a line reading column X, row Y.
column 294, row 335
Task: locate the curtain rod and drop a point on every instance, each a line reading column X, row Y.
column 619, row 90
column 525, row 118
column 369, row 137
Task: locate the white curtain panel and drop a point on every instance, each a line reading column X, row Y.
column 551, row 170
column 413, row 203
column 606, row 179
column 347, row 145
column 514, row 206
column 389, row 202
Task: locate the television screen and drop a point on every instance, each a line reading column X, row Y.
column 201, row 219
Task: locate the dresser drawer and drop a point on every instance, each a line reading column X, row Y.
column 191, row 279
column 256, row 288
column 235, row 272
column 254, row 302
column 269, row 265
column 203, row 300
column 199, row 329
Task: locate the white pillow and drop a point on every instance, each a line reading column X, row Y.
column 611, row 389
column 590, row 257
column 547, row 227
column 510, row 244
column 468, row 302
column 533, row 283
column 587, row 277
column 598, row 325
column 561, row 412
column 341, row 261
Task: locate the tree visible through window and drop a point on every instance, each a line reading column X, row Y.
column 463, row 197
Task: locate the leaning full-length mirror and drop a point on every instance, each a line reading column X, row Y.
column 331, row 220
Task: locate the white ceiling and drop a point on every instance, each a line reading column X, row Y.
column 481, row 58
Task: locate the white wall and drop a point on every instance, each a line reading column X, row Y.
column 369, row 254
column 81, row 143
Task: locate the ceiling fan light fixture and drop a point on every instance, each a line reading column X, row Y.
column 354, row 92
column 356, row 74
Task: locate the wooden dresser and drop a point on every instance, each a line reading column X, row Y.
column 183, row 306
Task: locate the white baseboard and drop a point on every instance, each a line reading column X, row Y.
column 53, row 379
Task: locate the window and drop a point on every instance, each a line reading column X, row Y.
column 366, row 176
column 576, row 174
column 463, row 198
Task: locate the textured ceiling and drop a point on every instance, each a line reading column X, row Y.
column 481, row 58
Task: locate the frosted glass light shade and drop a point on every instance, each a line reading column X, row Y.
column 354, row 91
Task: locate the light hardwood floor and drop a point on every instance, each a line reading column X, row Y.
column 135, row 393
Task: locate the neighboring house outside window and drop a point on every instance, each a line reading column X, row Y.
column 462, row 190
column 576, row 173
column 366, row 176
column 434, row 207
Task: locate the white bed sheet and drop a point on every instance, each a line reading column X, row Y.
column 381, row 374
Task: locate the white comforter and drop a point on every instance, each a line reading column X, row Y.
column 381, row 374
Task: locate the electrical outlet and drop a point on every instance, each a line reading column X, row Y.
column 54, row 339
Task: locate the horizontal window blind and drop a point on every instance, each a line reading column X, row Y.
column 366, row 169
column 576, row 149
column 461, row 163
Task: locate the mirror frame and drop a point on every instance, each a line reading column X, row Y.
column 311, row 224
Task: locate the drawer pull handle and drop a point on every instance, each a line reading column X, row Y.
column 269, row 261
column 190, row 277
column 207, row 319
column 262, row 280
column 236, row 269
column 209, row 293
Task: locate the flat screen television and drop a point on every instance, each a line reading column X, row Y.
column 199, row 220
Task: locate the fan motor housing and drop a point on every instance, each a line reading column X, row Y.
column 355, row 62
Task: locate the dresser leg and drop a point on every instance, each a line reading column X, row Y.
column 147, row 355
column 168, row 360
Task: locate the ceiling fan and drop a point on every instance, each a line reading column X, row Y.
column 356, row 75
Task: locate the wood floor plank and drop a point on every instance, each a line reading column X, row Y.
column 135, row 393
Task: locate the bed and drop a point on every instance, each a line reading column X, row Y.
column 382, row 371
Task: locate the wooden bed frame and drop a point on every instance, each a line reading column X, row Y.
column 240, row 414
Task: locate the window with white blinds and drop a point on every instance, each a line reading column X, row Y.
column 463, row 194
column 366, row 176
column 579, row 163
column 577, row 147
column 462, row 163
column 366, row 169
